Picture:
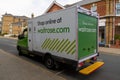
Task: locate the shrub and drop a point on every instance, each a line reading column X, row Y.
column 3, row 34
column 117, row 36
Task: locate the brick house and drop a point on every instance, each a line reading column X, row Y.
column 0, row 27
column 54, row 7
column 109, row 12
column 13, row 24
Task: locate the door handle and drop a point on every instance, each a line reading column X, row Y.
column 29, row 40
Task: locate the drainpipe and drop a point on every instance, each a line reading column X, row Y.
column 109, row 25
column 114, row 14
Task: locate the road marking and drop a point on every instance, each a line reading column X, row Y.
column 58, row 74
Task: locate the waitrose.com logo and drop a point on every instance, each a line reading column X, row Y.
column 54, row 30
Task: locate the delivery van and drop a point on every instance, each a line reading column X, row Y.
column 68, row 36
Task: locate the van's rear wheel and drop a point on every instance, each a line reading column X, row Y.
column 49, row 62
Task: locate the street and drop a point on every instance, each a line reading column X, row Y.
column 110, row 70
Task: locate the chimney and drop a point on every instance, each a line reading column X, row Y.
column 32, row 15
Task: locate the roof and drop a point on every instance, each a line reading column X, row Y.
column 80, row 3
column 23, row 17
column 54, row 2
column 6, row 14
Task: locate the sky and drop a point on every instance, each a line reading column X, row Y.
column 27, row 7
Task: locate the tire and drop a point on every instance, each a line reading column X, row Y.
column 19, row 51
column 49, row 62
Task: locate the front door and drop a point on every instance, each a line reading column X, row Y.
column 30, row 34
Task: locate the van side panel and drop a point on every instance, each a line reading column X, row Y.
column 55, row 33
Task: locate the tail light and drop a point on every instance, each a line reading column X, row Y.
column 80, row 64
column 95, row 58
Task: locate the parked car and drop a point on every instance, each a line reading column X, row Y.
column 102, row 44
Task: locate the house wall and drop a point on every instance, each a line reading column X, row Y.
column 9, row 20
column 16, row 30
column 101, row 7
column 107, row 11
column 6, row 21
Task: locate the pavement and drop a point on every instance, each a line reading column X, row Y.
column 109, row 50
column 9, row 37
column 15, row 68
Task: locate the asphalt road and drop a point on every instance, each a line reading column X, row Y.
column 110, row 71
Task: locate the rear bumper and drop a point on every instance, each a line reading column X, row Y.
column 85, row 61
column 88, row 70
column 89, row 57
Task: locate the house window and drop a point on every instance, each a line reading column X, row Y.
column 94, row 7
column 118, row 9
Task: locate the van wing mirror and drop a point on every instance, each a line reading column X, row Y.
column 21, row 36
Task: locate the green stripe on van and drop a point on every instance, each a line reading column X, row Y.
column 69, row 45
column 51, row 43
column 64, row 45
column 55, row 40
column 46, row 43
column 61, row 43
column 54, row 44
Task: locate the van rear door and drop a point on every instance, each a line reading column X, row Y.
column 87, row 36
